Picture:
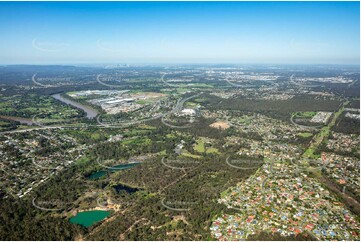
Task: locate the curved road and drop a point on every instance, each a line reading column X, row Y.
column 176, row 109
column 304, row 126
column 301, row 85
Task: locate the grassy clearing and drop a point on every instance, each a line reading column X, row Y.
column 190, row 105
column 3, row 123
column 304, row 114
column 162, row 153
column 183, row 90
column 305, row 134
column 186, row 153
column 324, row 133
column 199, row 146
column 310, row 153
column 170, row 136
column 212, row 150
column 136, row 132
column 137, row 141
column 145, row 126
column 141, row 102
column 200, row 100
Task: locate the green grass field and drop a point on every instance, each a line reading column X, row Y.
column 212, row 150
column 186, row 153
column 305, row 134
column 324, row 132
column 199, row 146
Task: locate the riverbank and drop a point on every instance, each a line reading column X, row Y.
column 18, row 119
column 90, row 112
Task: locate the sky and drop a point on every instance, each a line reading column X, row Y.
column 180, row 32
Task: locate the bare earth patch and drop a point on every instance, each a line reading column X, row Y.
column 220, row 125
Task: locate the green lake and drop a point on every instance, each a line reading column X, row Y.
column 123, row 166
column 88, row 218
column 99, row 174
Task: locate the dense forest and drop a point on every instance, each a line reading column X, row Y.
column 21, row 221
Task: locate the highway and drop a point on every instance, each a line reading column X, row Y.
column 177, row 109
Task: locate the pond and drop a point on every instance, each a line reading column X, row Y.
column 123, row 166
column 121, row 187
column 88, row 218
column 99, row 174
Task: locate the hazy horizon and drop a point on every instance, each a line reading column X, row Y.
column 180, row 32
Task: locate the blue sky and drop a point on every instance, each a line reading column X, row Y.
column 192, row 32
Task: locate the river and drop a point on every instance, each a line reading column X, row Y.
column 90, row 112
column 19, row 119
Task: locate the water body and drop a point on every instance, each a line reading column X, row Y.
column 99, row 174
column 123, row 166
column 88, row 218
column 19, row 119
column 122, row 187
column 90, row 112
